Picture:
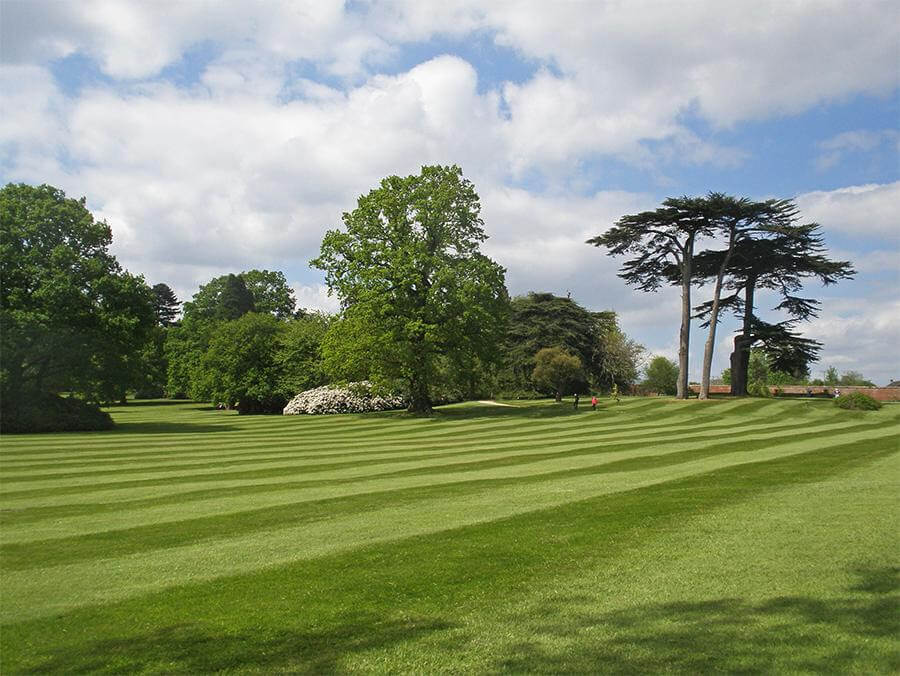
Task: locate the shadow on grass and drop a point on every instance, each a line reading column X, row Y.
column 472, row 411
column 790, row 634
column 169, row 428
column 200, row 649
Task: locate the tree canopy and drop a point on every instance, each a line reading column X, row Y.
column 660, row 241
column 539, row 320
column 270, row 292
column 72, row 319
column 779, row 259
column 555, row 370
column 661, row 375
column 415, row 289
column 166, row 304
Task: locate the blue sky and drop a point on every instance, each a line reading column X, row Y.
column 219, row 137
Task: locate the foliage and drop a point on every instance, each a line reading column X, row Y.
column 416, row 291
column 43, row 412
column 299, row 356
column 166, row 304
column 778, row 259
column 662, row 243
column 70, row 318
column 857, row 401
column 185, row 346
column 758, row 388
column 555, row 370
column 153, row 366
column 539, row 320
column 856, row 378
column 240, row 367
column 222, row 299
column 661, row 375
column 270, row 292
column 352, row 398
column 758, row 368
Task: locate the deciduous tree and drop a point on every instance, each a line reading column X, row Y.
column 555, row 370
column 70, row 317
column 414, row 286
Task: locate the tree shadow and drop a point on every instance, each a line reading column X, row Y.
column 200, row 649
column 793, row 634
column 169, row 428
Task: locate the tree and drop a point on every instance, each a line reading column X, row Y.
column 737, row 219
column 71, row 319
column 617, row 358
column 300, row 353
column 270, row 292
column 166, row 304
column 241, row 366
column 662, row 376
column 221, row 298
column 414, row 287
column 831, row 376
column 662, row 241
column 539, row 320
column 555, row 370
column 851, row 378
column 779, row 259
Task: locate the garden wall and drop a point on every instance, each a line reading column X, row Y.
column 879, row 393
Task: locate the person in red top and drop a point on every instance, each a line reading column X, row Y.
column 594, row 403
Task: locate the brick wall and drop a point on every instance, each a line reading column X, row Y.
column 879, row 393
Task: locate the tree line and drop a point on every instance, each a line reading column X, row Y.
column 422, row 312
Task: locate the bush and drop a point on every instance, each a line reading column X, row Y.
column 51, row 413
column 354, row 398
column 857, row 401
column 759, row 389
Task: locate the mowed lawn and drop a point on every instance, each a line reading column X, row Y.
column 653, row 535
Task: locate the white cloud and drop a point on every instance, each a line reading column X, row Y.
column 838, row 147
column 855, row 332
column 861, row 210
column 248, row 168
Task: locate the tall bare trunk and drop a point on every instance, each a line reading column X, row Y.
column 710, row 346
column 684, row 337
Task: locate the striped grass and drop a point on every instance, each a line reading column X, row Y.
column 653, row 535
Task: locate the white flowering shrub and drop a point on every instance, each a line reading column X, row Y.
column 354, row 398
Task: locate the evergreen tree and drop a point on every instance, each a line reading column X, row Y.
column 166, row 304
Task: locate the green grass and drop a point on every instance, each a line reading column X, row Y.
column 650, row 536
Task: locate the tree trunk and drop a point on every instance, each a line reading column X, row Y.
column 685, row 333
column 710, row 346
column 740, row 358
column 419, row 400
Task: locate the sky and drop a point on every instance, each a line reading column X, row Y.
column 220, row 136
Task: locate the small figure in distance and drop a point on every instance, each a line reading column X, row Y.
column 594, row 403
column 614, row 394
column 808, row 391
column 576, row 401
column 837, row 393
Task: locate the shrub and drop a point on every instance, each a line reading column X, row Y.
column 51, row 413
column 354, row 398
column 857, row 401
column 759, row 389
